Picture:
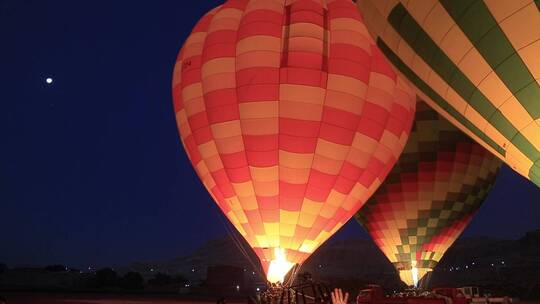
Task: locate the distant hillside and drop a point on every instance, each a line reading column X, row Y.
column 340, row 258
column 516, row 263
column 512, row 264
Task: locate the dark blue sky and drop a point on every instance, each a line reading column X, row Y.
column 91, row 167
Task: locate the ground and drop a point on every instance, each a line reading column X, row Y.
column 22, row 298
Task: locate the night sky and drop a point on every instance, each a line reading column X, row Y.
column 92, row 172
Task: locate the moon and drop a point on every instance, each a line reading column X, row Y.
column 49, row 80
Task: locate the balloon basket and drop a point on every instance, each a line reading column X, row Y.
column 303, row 293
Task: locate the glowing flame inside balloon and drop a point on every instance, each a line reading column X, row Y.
column 414, row 272
column 279, row 266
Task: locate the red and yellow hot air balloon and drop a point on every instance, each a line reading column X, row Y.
column 291, row 117
column 429, row 197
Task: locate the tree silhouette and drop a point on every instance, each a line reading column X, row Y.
column 106, row 277
column 160, row 279
column 3, row 268
column 132, row 281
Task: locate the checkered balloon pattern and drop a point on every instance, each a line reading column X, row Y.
column 290, row 116
column 431, row 194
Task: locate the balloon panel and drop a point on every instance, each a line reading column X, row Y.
column 290, row 116
column 475, row 62
column 431, row 194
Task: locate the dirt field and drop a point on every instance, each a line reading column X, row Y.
column 20, row 298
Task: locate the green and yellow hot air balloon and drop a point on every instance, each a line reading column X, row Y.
column 429, row 197
column 476, row 62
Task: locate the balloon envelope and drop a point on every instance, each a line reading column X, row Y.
column 429, row 197
column 475, row 62
column 291, row 118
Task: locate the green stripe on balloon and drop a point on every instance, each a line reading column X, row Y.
column 534, row 173
column 429, row 51
column 426, row 89
column 477, row 23
column 420, row 41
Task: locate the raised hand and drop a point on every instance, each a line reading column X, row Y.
column 338, row 298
